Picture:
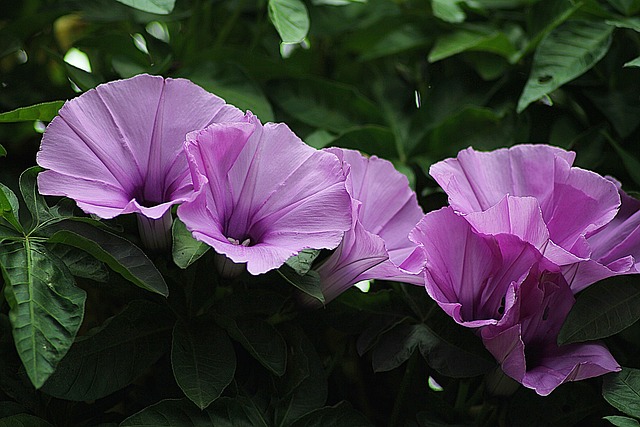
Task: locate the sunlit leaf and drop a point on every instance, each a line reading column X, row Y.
column 291, row 19
column 45, row 112
column 602, row 310
column 622, row 391
column 633, row 63
column 45, row 306
column 564, row 54
column 302, row 262
column 203, row 360
column 138, row 335
column 619, row 421
column 185, row 250
column 448, row 10
column 160, row 7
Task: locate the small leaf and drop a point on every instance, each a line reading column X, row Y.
column 291, row 19
column 45, row 112
column 619, row 421
column 203, row 360
column 622, row 391
column 123, row 348
column 9, row 207
column 119, row 254
column 159, row 7
column 185, row 250
column 260, row 339
column 564, row 54
column 602, row 310
column 3, row 151
column 225, row 412
column 448, row 11
column 476, row 38
column 309, row 283
column 302, row 262
column 24, row 420
column 46, row 308
column 340, row 415
column 41, row 213
column 633, row 63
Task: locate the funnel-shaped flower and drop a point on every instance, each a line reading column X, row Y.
column 573, row 202
column 525, row 343
column 377, row 246
column 501, row 284
column 265, row 194
column 473, row 277
column 117, row 148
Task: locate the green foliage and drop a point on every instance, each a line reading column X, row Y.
column 410, row 81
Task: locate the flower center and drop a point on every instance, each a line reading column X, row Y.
column 245, row 242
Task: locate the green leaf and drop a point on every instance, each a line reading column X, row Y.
column 472, row 38
column 9, row 207
column 260, row 339
column 622, row 391
column 304, row 386
column 602, row 310
column 138, row 336
column 160, row 7
column 448, row 10
column 633, row 63
column 45, row 112
column 3, row 151
column 41, row 213
column 80, row 263
column 324, row 104
column 291, row 19
column 45, row 306
column 619, row 421
column 83, row 79
column 224, row 412
column 631, row 163
column 119, row 254
column 564, row 54
column 370, row 139
column 185, row 250
column 397, row 345
column 24, row 420
column 626, row 7
column 309, row 283
column 340, row 415
column 203, row 360
column 302, row 262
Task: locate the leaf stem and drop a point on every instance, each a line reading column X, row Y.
column 398, row 406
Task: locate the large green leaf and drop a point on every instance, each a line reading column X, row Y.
column 24, row 420
column 203, row 360
column 472, row 38
column 564, row 54
column 340, row 415
column 225, row 412
column 45, row 306
column 260, row 339
column 185, row 250
column 80, row 263
column 160, row 7
column 118, row 253
column 622, row 391
column 602, row 310
column 291, row 19
column 45, row 112
column 123, row 348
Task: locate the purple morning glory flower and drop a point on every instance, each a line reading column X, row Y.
column 117, row 149
column 525, row 343
column 377, row 246
column 574, row 203
column 472, row 276
column 265, row 194
column 502, row 285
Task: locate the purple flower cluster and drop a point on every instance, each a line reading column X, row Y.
column 525, row 230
